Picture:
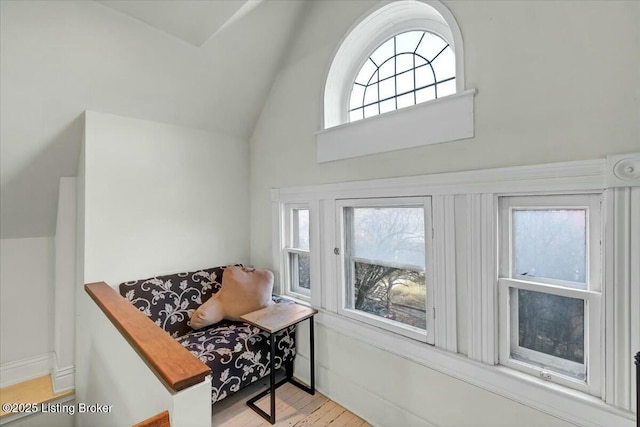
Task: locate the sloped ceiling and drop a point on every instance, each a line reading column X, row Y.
column 193, row 21
column 201, row 64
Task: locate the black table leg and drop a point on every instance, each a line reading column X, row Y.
column 312, row 356
column 288, row 378
column 311, row 389
column 272, row 361
column 272, row 387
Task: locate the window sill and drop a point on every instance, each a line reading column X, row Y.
column 441, row 120
column 562, row 402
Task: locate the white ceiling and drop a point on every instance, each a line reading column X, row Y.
column 193, row 21
column 201, row 64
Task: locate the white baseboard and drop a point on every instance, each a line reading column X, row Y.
column 63, row 379
column 26, row 369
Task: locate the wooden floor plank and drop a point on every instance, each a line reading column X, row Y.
column 38, row 390
column 294, row 408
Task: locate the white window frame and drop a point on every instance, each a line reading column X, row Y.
column 393, row 326
column 289, row 275
column 592, row 295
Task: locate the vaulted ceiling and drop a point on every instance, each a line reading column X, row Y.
column 206, row 64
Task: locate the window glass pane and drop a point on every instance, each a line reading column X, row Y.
column 356, row 97
column 299, row 268
column 446, row 88
column 404, row 62
column 388, row 69
column 371, row 110
column 445, row 65
column 301, row 228
column 387, row 89
column 386, row 250
column 366, row 72
column 550, row 244
column 407, row 42
column 551, row 325
column 371, row 94
column 405, row 82
column 384, row 52
column 388, row 105
column 427, row 94
column 430, row 46
column 398, row 294
column 356, row 115
column 389, row 235
column 406, row 100
column 424, row 76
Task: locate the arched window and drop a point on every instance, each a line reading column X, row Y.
column 405, row 53
column 407, row 69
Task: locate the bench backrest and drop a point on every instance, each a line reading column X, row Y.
column 170, row 300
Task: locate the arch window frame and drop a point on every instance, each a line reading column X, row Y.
column 440, row 120
column 428, row 63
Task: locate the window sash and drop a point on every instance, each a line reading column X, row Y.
column 590, row 298
column 293, row 273
column 346, row 265
column 590, row 202
column 508, row 339
column 289, row 238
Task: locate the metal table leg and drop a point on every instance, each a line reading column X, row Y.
column 288, row 378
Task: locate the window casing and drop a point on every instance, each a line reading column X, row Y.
column 296, row 255
column 550, row 288
column 386, row 264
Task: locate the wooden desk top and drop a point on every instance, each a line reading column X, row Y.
column 278, row 316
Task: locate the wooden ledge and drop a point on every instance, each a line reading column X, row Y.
column 160, row 420
column 171, row 362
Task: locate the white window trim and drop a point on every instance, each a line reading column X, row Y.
column 396, row 327
column 591, row 295
column 445, row 119
column 479, row 189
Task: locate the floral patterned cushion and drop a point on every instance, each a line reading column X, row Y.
column 237, row 353
column 169, row 300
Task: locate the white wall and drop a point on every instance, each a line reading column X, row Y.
column 26, row 308
column 65, row 284
column 540, row 70
column 62, row 57
column 153, row 198
column 161, row 198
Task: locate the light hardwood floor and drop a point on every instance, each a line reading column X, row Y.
column 294, row 408
column 38, row 390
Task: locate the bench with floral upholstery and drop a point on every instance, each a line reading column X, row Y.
column 236, row 352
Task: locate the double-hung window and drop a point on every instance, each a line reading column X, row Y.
column 297, row 276
column 550, row 288
column 385, row 264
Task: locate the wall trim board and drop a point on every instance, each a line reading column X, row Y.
column 63, row 379
column 560, row 402
column 581, row 175
column 26, row 369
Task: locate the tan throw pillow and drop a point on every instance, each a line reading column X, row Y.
column 243, row 290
